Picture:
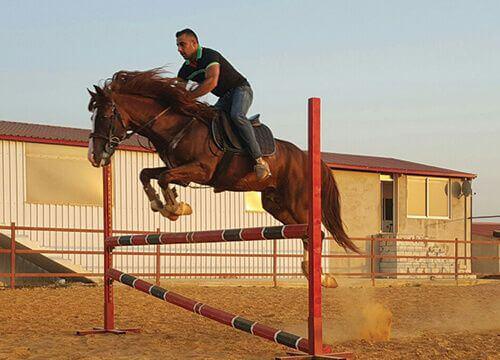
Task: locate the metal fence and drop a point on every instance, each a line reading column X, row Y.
column 169, row 261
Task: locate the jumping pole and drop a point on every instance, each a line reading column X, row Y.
column 221, row 316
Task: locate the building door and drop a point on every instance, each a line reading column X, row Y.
column 387, row 204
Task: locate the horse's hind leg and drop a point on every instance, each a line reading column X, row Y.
column 327, row 280
column 154, row 199
column 272, row 203
column 298, row 209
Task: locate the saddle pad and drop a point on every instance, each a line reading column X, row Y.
column 228, row 140
column 265, row 139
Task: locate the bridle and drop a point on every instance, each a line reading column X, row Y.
column 113, row 141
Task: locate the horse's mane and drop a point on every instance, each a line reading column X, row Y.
column 166, row 91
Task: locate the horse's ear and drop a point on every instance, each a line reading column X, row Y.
column 92, row 94
column 98, row 90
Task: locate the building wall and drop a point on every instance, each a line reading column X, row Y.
column 457, row 226
column 361, row 214
column 13, row 208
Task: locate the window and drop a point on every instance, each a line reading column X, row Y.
column 416, row 196
column 438, row 195
column 428, row 197
column 253, row 202
column 57, row 174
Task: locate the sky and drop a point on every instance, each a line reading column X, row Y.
column 413, row 80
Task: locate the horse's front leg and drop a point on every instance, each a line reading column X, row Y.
column 192, row 172
column 154, row 199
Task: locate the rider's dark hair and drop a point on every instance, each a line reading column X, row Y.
column 186, row 31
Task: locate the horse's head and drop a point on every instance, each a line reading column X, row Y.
column 108, row 129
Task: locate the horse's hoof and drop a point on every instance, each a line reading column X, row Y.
column 181, row 209
column 328, row 281
column 186, row 209
column 156, row 205
column 164, row 211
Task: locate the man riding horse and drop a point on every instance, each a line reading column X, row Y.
column 215, row 74
column 163, row 110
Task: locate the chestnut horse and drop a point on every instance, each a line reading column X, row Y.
column 160, row 109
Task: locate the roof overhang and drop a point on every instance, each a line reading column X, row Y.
column 401, row 171
column 66, row 142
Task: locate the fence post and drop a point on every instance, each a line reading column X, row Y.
column 158, row 261
column 372, row 260
column 275, row 263
column 12, row 255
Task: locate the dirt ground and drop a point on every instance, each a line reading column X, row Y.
column 422, row 321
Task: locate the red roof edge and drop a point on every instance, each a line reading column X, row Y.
column 65, row 142
column 401, row 171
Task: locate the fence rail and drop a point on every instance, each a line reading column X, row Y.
column 372, row 272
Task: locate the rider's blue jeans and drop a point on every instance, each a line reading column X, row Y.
column 236, row 103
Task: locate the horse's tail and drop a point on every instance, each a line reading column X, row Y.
column 330, row 207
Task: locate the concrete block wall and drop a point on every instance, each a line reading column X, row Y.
column 422, row 247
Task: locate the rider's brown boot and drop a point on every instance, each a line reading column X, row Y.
column 262, row 169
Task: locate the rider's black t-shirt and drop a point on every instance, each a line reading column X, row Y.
column 229, row 77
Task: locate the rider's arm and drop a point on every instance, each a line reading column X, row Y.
column 211, row 80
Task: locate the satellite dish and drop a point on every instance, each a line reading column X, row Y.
column 466, row 188
column 456, row 189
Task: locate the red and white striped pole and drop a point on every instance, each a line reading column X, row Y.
column 221, row 316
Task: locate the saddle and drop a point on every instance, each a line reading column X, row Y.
column 227, row 138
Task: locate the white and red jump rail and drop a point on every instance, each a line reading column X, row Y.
column 312, row 348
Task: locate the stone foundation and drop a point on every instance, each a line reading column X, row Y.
column 433, row 267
